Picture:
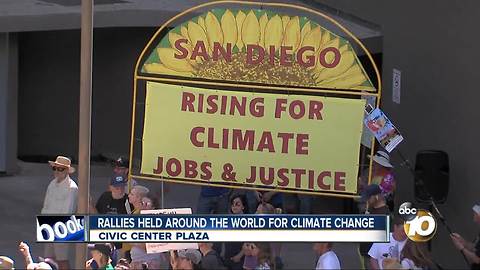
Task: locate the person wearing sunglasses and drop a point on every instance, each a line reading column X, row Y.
column 60, row 198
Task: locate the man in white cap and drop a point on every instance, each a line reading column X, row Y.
column 61, row 198
column 470, row 249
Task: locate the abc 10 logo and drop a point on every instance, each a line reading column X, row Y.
column 420, row 225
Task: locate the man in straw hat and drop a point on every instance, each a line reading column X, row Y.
column 61, row 198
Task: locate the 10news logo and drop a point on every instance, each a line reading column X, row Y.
column 420, row 225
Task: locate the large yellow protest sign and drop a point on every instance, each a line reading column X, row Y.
column 291, row 142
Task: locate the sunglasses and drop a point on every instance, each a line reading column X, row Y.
column 58, row 169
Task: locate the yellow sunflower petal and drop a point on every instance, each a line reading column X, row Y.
column 285, row 20
column 343, row 49
column 214, row 30
column 346, row 82
column 352, row 71
column 196, row 33
column 332, row 43
column 201, row 22
column 240, row 19
column 329, row 57
column 313, row 38
column 229, row 26
column 352, row 78
column 251, row 29
column 292, row 33
column 168, row 59
column 326, row 37
column 305, row 30
column 274, row 29
column 173, row 37
column 184, row 32
column 263, row 22
column 161, row 69
column 346, row 61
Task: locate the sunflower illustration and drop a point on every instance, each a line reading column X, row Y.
column 235, row 30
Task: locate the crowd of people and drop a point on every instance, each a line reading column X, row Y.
column 377, row 198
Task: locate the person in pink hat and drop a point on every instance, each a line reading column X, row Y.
column 61, row 198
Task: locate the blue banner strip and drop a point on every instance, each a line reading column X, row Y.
column 238, row 222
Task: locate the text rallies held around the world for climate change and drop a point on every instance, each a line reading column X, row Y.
column 277, row 140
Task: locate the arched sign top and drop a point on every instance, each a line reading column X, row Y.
column 245, row 45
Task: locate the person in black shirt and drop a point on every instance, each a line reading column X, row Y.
column 210, row 259
column 234, row 256
column 114, row 201
column 471, row 250
column 372, row 196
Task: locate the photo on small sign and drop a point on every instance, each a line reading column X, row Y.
column 383, row 129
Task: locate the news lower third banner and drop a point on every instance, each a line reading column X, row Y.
column 215, row 228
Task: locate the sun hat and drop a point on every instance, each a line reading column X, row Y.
column 6, row 262
column 192, row 254
column 63, row 162
column 476, row 208
column 383, row 159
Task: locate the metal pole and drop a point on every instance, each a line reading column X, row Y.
column 85, row 120
column 163, row 196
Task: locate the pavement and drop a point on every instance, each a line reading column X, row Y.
column 22, row 198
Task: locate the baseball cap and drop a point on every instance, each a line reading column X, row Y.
column 371, row 190
column 104, row 248
column 192, row 254
column 118, row 180
column 6, row 262
column 121, row 162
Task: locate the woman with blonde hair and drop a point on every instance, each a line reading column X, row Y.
column 415, row 255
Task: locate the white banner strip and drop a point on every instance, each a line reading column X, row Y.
column 239, row 236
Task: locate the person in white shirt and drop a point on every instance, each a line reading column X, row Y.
column 328, row 259
column 380, row 251
column 61, row 198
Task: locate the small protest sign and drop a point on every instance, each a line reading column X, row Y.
column 163, row 247
column 383, row 129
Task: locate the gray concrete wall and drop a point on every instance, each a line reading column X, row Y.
column 8, row 102
column 49, row 90
column 434, row 44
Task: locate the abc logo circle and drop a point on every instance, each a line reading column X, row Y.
column 407, row 211
column 422, row 227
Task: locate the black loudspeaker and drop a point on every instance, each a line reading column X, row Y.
column 431, row 176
